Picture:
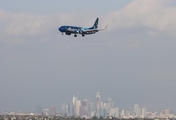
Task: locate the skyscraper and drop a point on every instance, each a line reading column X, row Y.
column 67, row 110
column 139, row 111
column 86, row 104
column 38, row 109
column 110, row 103
column 123, row 114
column 167, row 111
column 91, row 107
column 74, row 104
column 78, row 104
column 136, row 109
column 98, row 104
column 74, row 99
column 117, row 112
column 82, row 111
column 63, row 109
column 71, row 111
column 143, row 113
column 52, row 110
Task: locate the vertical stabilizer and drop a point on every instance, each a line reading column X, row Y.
column 95, row 26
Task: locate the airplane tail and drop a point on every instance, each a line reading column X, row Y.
column 95, row 26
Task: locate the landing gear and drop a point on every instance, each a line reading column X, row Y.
column 75, row 35
column 62, row 33
column 83, row 35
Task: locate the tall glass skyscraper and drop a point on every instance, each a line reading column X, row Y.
column 136, row 109
column 98, row 104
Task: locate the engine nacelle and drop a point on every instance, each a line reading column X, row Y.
column 68, row 33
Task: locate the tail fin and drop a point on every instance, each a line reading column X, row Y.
column 95, row 26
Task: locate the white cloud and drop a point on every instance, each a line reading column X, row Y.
column 155, row 16
column 24, row 25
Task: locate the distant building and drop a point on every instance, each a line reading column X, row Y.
column 74, row 99
column 98, row 104
column 63, row 109
column 86, row 104
column 136, row 110
column 52, row 110
column 103, row 112
column 143, row 113
column 91, row 108
column 116, row 112
column 38, row 109
column 82, row 111
column 71, row 109
column 110, row 103
column 78, row 104
column 167, row 112
column 127, row 114
column 45, row 112
column 123, row 114
column 139, row 112
column 67, row 110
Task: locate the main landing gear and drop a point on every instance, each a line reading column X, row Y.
column 76, row 35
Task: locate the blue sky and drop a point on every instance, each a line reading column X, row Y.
column 132, row 62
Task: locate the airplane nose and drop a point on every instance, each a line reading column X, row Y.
column 60, row 29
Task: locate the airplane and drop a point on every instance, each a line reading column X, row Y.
column 68, row 30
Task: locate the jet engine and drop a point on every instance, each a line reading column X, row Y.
column 67, row 33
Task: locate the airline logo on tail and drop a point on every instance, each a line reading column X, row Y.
column 96, row 23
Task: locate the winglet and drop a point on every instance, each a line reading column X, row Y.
column 106, row 26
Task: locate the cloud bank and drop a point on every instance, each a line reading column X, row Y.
column 155, row 17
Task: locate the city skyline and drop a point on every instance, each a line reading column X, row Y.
column 39, row 107
column 98, row 108
column 88, row 109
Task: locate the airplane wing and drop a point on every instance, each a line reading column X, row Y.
column 94, row 30
column 91, row 30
